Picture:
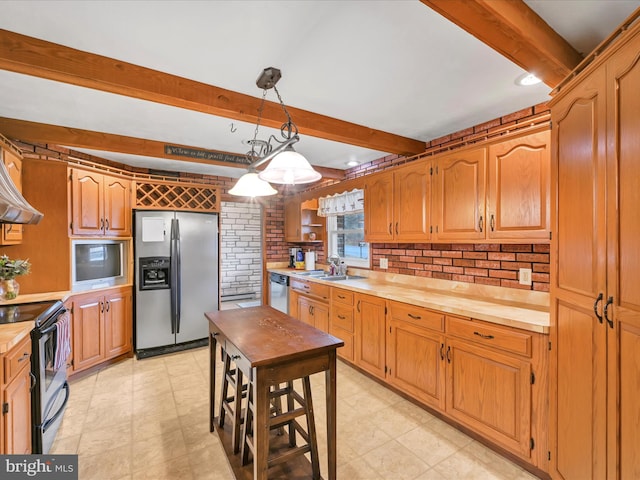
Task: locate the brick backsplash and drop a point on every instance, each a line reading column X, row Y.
column 488, row 264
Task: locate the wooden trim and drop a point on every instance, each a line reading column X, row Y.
column 39, row 58
column 511, row 28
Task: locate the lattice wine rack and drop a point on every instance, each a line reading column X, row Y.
column 176, row 196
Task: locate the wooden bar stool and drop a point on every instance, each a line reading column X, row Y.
column 279, row 419
column 231, row 404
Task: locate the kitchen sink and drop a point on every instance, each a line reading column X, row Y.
column 312, row 273
column 335, row 278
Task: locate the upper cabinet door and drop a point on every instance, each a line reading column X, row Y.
column 518, row 203
column 292, row 219
column 87, row 203
column 378, row 208
column 117, row 207
column 412, row 203
column 459, row 188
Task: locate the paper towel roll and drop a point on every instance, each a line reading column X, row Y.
column 310, row 260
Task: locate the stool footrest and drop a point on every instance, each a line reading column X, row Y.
column 288, row 455
column 285, row 418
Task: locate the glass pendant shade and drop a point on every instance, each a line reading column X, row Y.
column 289, row 167
column 250, row 185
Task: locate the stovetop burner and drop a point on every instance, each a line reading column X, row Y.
column 24, row 312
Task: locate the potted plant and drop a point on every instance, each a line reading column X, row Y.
column 9, row 270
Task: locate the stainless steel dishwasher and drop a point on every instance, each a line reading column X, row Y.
column 279, row 292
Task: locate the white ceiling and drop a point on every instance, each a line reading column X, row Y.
column 392, row 65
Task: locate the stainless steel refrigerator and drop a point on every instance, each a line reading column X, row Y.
column 176, row 279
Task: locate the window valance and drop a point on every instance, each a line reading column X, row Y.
column 341, row 203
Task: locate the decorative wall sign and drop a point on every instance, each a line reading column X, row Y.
column 178, row 151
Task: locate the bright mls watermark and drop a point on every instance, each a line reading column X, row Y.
column 50, row 467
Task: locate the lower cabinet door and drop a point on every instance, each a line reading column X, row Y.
column 17, row 419
column 415, row 361
column 370, row 334
column 88, row 331
column 491, row 393
column 117, row 325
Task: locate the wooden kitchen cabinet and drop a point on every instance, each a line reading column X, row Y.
column 301, row 219
column 16, row 400
column 370, row 334
column 459, row 195
column 100, row 204
column 12, row 232
column 342, row 321
column 415, row 352
column 398, row 204
column 309, row 302
column 102, row 326
column 595, row 287
column 292, row 222
column 519, row 197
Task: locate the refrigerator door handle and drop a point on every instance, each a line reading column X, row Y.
column 173, row 274
column 178, row 277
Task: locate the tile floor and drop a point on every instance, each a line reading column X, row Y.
column 148, row 419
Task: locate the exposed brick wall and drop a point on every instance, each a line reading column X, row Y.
column 488, row 264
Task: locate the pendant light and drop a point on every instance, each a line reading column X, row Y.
column 287, row 166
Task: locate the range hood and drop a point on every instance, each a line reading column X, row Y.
column 13, row 207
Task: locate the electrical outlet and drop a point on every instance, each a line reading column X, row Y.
column 525, row 276
column 384, row 263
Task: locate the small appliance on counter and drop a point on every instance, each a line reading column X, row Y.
column 293, row 256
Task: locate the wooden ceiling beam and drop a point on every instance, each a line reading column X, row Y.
column 514, row 30
column 39, row 58
column 75, row 137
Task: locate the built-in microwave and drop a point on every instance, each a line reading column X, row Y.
column 98, row 263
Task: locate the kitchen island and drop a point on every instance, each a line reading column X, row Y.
column 271, row 348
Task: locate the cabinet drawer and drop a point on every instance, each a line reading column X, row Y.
column 342, row 296
column 490, row 335
column 310, row 288
column 238, row 358
column 17, row 359
column 417, row 315
column 342, row 317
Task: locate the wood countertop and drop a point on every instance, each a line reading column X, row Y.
column 12, row 333
column 526, row 310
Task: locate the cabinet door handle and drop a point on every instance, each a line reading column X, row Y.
column 24, row 356
column 480, row 223
column 342, row 317
column 341, row 297
column 606, row 311
column 595, row 307
column 106, row 223
column 492, row 223
column 449, row 354
column 108, row 305
column 9, row 227
column 396, row 228
column 415, row 317
column 358, row 306
column 442, row 351
column 488, row 337
column 101, row 307
column 390, row 228
column 102, row 224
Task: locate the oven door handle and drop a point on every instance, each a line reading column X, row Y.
column 46, row 424
column 51, row 327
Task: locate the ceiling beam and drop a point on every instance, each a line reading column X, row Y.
column 514, row 30
column 75, row 137
column 39, row 58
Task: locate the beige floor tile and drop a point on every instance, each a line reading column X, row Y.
column 65, row 445
column 428, row 445
column 175, row 469
column 393, row 460
column 358, row 469
column 108, row 464
column 153, row 426
column 95, row 441
column 159, row 449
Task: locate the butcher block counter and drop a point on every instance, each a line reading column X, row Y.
column 523, row 309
